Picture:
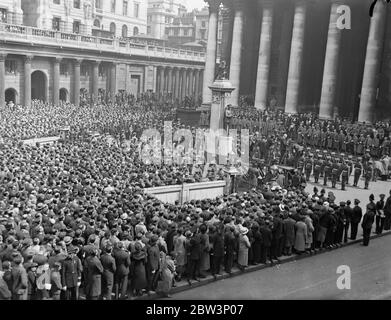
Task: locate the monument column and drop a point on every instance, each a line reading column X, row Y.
column 27, row 81
column 76, row 90
column 372, row 63
column 56, row 81
column 2, row 80
column 236, row 51
column 264, row 54
column 296, row 57
column 211, row 48
column 330, row 73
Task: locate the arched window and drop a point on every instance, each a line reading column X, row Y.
column 97, row 23
column 135, row 31
column 112, row 28
column 124, row 31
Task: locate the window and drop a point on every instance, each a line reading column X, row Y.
column 176, row 32
column 56, row 23
column 202, row 34
column 64, row 69
column 135, row 31
column 98, row 4
column 76, row 26
column 76, row 4
column 112, row 28
column 167, row 31
column 124, row 31
column 149, row 30
column 112, row 6
column 102, row 70
column 125, row 8
column 203, row 24
column 136, row 9
column 10, row 66
column 97, row 23
column 3, row 15
column 57, row 1
column 185, row 32
column 84, row 70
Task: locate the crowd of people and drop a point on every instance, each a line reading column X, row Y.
column 75, row 221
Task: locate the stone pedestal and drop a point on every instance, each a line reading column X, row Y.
column 221, row 91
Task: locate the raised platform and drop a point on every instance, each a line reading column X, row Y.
column 189, row 117
column 188, row 191
column 41, row 141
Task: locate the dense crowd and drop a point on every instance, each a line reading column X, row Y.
column 75, row 220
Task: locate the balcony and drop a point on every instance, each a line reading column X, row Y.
column 30, row 35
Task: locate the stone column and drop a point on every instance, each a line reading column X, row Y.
column 261, row 91
column 296, row 57
column 113, row 78
column 196, row 83
column 27, row 81
column 190, row 90
column 169, row 81
column 2, row 80
column 95, row 80
column 161, row 79
column 236, row 51
column 210, row 64
column 76, row 84
column 177, row 83
column 56, row 81
column 372, row 63
column 330, row 72
column 184, row 84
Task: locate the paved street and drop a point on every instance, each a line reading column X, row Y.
column 311, row 278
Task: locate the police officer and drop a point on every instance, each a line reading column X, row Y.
column 327, row 170
column 357, row 171
column 317, row 167
column 345, row 175
column 368, row 173
column 308, row 167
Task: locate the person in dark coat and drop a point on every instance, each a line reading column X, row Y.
column 368, row 220
column 356, row 218
column 122, row 262
column 32, row 278
column 380, row 216
column 266, row 243
column 109, row 269
column 194, row 252
column 340, row 224
column 153, row 259
column 170, row 237
column 217, row 244
column 257, row 243
column 139, row 278
column 289, row 234
column 229, row 247
column 387, row 213
column 94, row 270
column 71, row 275
column 19, row 279
column 348, row 216
column 278, row 234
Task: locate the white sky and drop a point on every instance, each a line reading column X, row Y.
column 195, row 4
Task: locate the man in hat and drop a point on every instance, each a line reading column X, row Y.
column 357, row 171
column 344, row 175
column 153, row 265
column 380, row 216
column 122, row 261
column 387, row 213
column 194, row 252
column 109, row 269
column 71, row 275
column 327, row 170
column 229, row 248
column 317, row 168
column 348, row 219
column 368, row 220
column 308, row 166
column 334, row 175
column 55, row 277
column 356, row 218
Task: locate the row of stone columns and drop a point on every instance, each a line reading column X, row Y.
column 181, row 82
column 328, row 92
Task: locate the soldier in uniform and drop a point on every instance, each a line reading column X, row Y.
column 300, row 164
column 317, row 167
column 308, row 167
column 368, row 173
column 334, row 173
column 357, row 171
column 327, row 170
column 345, row 175
column 350, row 165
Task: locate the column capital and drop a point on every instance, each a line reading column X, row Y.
column 213, row 5
column 28, row 58
column 58, row 59
column 78, row 61
column 96, row 62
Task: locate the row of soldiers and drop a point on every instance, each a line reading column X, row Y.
column 334, row 168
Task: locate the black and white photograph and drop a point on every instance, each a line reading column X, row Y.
column 161, row 151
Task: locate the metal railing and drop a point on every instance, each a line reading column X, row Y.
column 21, row 33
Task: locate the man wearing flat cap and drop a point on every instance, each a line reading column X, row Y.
column 380, row 216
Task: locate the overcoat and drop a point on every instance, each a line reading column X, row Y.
column 244, row 245
column 301, row 235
